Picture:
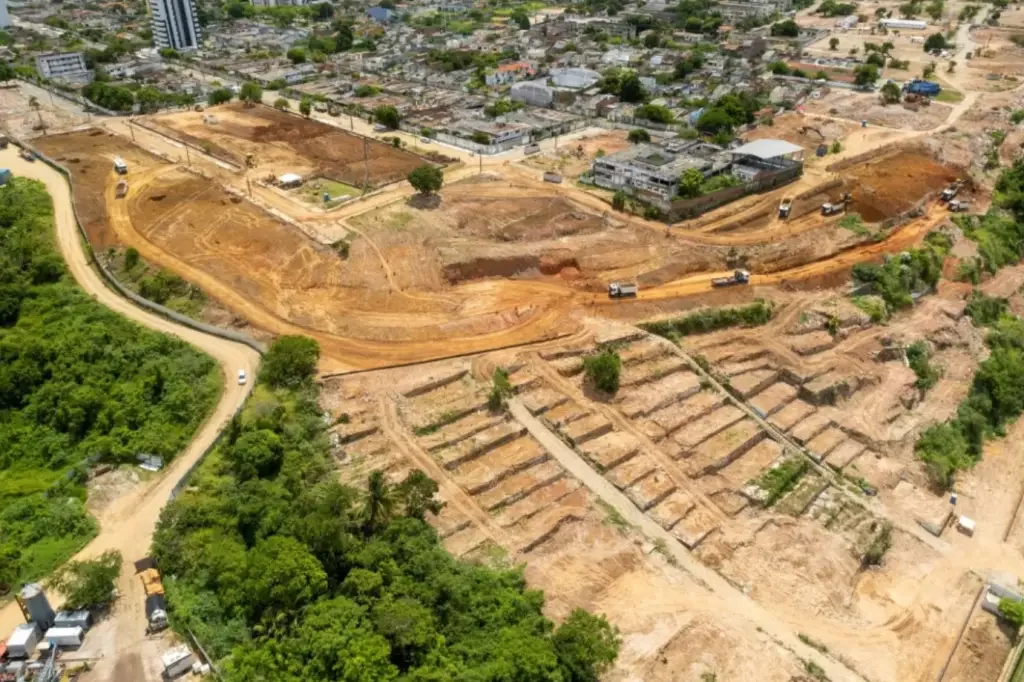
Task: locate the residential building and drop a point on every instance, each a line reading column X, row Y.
column 497, row 133
column 5, row 18
column 903, row 24
column 574, row 78
column 738, row 11
column 614, row 28
column 381, row 15
column 646, row 169
column 175, row 24
column 68, row 66
column 509, row 73
column 279, row 3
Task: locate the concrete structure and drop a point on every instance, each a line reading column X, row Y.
column 574, row 78
column 176, row 662
column 175, row 24
column 904, row 24
column 738, row 11
column 534, row 93
column 69, row 66
column 509, row 73
column 73, row 619
column 646, row 170
column 611, row 26
column 5, row 18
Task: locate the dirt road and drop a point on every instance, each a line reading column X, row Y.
column 127, row 525
column 732, row 599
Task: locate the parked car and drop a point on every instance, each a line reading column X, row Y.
column 242, row 377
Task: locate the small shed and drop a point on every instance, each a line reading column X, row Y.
column 176, row 662
column 289, row 180
column 73, row 619
column 23, row 641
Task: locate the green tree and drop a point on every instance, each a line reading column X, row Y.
column 786, row 29
column 426, row 179
column 1012, row 611
column 219, row 96
column 256, row 454
column 833, row 43
column 619, row 200
column 935, row 41
column 638, row 135
column 521, row 19
column 282, row 104
column 323, row 11
column 865, row 75
column 290, row 361
column 379, row 504
column 655, row 112
column 891, row 93
column 690, row 183
column 602, row 370
column 296, row 55
column 388, row 116
column 306, row 106
column 632, row 90
column 417, row 495
column 251, row 93
column 586, row 646
column 88, row 584
column 280, row 576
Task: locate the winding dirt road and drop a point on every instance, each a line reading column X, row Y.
column 127, row 525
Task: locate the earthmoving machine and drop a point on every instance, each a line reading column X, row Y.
column 806, row 129
column 738, row 277
column 622, row 290
column 950, row 192
column 120, row 166
column 156, row 607
column 958, row 206
column 785, row 206
column 834, row 207
column 27, row 154
column 121, row 191
column 250, row 161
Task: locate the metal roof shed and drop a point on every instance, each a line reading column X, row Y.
column 767, row 149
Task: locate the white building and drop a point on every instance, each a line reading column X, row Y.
column 63, row 66
column 904, row 23
column 5, row 18
column 175, row 24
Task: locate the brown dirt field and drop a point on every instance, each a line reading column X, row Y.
column 803, row 131
column 576, row 156
column 886, row 187
column 983, row 650
column 285, row 143
column 856, row 107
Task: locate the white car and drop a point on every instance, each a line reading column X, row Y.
column 241, row 377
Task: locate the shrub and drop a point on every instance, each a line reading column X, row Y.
column 711, row 319
column 501, row 390
column 1012, row 611
column 985, row 311
column 780, row 480
column 426, row 179
column 290, row 361
column 602, row 370
column 917, row 357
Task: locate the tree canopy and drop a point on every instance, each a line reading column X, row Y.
column 426, row 179
column 290, row 361
column 388, row 116
column 285, row 574
column 88, row 584
column 78, row 384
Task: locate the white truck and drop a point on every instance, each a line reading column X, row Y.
column 120, row 166
column 950, row 192
column 785, row 207
column 622, row 290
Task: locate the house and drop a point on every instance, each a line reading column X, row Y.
column 64, row 66
column 509, row 73
column 381, row 15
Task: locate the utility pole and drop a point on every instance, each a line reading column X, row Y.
column 481, row 163
column 249, row 185
column 132, row 130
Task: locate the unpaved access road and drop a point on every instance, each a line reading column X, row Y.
column 127, row 525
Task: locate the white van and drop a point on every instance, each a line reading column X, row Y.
column 241, row 377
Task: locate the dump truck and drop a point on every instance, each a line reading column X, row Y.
column 622, row 290
column 922, row 87
column 833, row 207
column 785, row 207
column 958, row 206
column 950, row 192
column 738, row 277
column 120, row 166
column 27, row 154
column 552, row 177
column 156, row 606
column 121, row 190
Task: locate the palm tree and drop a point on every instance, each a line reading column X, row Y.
column 379, row 504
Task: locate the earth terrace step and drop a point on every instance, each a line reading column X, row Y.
column 539, row 400
column 810, row 427
column 694, row 527
column 559, row 353
column 543, row 525
column 587, row 429
column 656, row 395
column 723, row 449
column 673, row 417
column 641, row 352
column 753, row 383
column 520, row 485
column 610, row 450
column 714, row 422
column 481, row 443
column 733, row 369
column 535, row 502
column 349, row 433
column 672, row 509
column 803, row 495
column 792, row 414
column 774, row 398
column 653, row 371
column 483, row 473
column 631, row 471
column 435, row 384
column 821, row 445
column 651, row 489
column 567, row 367
column 454, row 433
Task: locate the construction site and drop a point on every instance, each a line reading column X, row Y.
column 659, row 506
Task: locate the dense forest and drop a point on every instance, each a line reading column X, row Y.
column 78, row 384
column 285, row 574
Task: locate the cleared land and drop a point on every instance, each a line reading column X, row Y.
column 284, row 143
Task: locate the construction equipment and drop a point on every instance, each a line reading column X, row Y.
column 617, row 290
column 120, row 167
column 27, row 154
column 552, row 177
column 958, row 206
column 785, row 206
column 834, row 207
column 156, row 607
column 738, row 277
column 3, row 141
column 806, row 129
column 950, row 192
column 121, row 191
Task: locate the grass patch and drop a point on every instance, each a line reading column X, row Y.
column 155, row 283
column 813, row 643
column 879, row 546
column 855, row 224
column 313, row 192
column 780, row 480
column 444, row 419
column 949, row 96
column 711, row 319
column 612, row 517
column 874, row 306
column 918, row 355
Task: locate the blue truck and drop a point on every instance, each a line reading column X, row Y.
column 920, row 87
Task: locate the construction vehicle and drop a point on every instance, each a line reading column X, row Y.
column 531, row 149
column 785, row 206
column 834, row 207
column 617, row 290
column 552, row 177
column 250, row 161
column 27, row 154
column 156, row 607
column 958, row 206
column 950, row 192
column 4, row 141
column 738, row 277
column 121, row 191
column 120, row 166
column 921, row 87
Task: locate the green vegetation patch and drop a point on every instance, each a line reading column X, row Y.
column 275, row 563
column 778, row 481
column 912, row 271
column 918, row 355
column 602, row 370
column 156, row 284
column 949, row 96
column 78, row 384
column 712, row 319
